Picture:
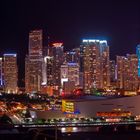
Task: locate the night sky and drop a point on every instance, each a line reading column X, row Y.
column 69, row 21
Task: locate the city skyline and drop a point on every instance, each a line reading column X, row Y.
column 69, row 69
column 69, row 22
column 38, row 52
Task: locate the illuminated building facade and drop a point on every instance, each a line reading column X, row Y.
column 70, row 108
column 33, row 74
column 73, row 56
column 133, row 72
column 96, row 72
column 1, row 73
column 127, row 72
column 58, row 56
column 34, row 62
column 73, row 73
column 48, row 71
column 114, row 113
column 64, row 74
column 121, row 64
column 70, row 72
column 35, row 43
column 112, row 73
column 138, row 55
column 10, row 73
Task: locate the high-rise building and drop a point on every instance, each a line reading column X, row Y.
column 112, row 73
column 34, row 62
column 122, row 66
column 133, row 71
column 138, row 55
column 35, row 43
column 70, row 74
column 10, row 73
column 73, row 56
column 58, row 55
column 127, row 72
column 1, row 73
column 33, row 74
column 96, row 72
column 48, row 71
column 64, row 74
column 73, row 73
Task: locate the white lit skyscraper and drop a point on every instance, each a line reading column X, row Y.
column 95, row 55
column 34, row 62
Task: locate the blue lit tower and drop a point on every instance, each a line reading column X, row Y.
column 1, row 73
column 138, row 55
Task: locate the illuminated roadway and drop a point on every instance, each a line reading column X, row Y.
column 68, row 124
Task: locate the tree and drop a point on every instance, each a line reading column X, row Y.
column 5, row 119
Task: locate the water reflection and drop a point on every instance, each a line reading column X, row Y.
column 77, row 129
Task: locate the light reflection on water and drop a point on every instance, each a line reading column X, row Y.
column 78, row 129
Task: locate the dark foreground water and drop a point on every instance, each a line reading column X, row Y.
column 73, row 136
column 83, row 133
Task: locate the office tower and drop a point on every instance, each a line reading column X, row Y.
column 35, row 43
column 73, row 56
column 112, row 73
column 122, row 67
column 1, row 73
column 34, row 62
column 133, row 72
column 127, row 72
column 95, row 56
column 73, row 73
column 70, row 76
column 10, row 73
column 70, row 72
column 138, row 55
column 64, row 74
column 33, row 74
column 58, row 55
column 48, row 73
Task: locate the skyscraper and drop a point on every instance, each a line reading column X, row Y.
column 33, row 74
column 48, row 71
column 1, row 73
column 34, row 62
column 133, row 72
column 35, row 43
column 127, row 72
column 95, row 55
column 73, row 56
column 10, row 73
column 112, row 73
column 58, row 56
column 138, row 55
column 70, row 72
